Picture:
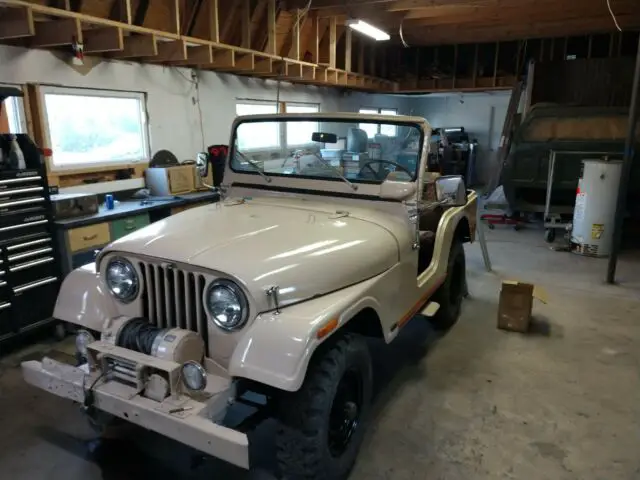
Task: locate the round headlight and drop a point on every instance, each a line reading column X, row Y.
column 194, row 376
column 227, row 305
column 122, row 280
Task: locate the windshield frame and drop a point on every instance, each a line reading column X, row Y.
column 396, row 120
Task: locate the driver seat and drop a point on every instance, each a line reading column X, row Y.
column 357, row 146
column 428, row 219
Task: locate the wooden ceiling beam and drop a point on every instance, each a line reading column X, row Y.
column 284, row 24
column 213, row 20
column 121, row 11
column 505, row 16
column 320, row 4
column 136, row 46
column 56, row 33
column 333, row 42
column 348, row 54
column 245, row 23
column 174, row 16
column 443, row 34
column 402, row 5
column 307, row 38
column 16, row 23
column 103, row 39
column 230, row 18
column 190, row 16
column 141, row 12
column 271, row 27
column 258, row 21
column 224, row 59
column 172, row 51
column 294, row 50
column 122, row 40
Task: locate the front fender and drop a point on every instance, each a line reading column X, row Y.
column 83, row 299
column 277, row 348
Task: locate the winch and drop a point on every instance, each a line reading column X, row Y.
column 137, row 334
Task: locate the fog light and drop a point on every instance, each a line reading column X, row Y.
column 194, row 376
column 83, row 339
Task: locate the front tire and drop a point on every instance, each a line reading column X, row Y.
column 452, row 291
column 322, row 424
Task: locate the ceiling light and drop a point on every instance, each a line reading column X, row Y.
column 368, row 30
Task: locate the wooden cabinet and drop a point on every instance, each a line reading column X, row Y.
column 125, row 226
column 86, row 237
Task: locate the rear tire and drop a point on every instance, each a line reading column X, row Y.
column 322, row 424
column 452, row 291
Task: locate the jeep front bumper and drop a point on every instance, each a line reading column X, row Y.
column 181, row 418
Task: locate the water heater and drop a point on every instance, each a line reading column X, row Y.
column 593, row 216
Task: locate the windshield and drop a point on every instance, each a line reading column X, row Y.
column 341, row 150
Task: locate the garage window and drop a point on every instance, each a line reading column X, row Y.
column 299, row 133
column 268, row 135
column 91, row 128
column 373, row 129
column 263, row 134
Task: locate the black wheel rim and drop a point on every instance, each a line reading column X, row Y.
column 346, row 409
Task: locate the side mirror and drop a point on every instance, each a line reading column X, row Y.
column 450, row 191
column 202, row 162
column 218, row 158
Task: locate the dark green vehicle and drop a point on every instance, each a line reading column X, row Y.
column 575, row 133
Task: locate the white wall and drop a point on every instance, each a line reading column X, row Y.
column 173, row 115
column 481, row 114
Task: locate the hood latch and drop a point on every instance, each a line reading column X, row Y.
column 273, row 292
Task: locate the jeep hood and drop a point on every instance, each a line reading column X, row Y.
column 304, row 252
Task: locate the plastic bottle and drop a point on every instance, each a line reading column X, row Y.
column 16, row 157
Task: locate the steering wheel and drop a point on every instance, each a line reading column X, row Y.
column 377, row 174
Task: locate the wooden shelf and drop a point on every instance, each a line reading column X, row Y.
column 443, row 85
column 38, row 26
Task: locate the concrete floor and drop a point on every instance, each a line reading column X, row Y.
column 478, row 403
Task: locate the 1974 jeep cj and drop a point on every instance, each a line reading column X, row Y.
column 326, row 235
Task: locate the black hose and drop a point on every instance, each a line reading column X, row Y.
column 138, row 335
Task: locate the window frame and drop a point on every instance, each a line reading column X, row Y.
column 90, row 92
column 19, row 115
column 282, row 132
column 378, row 111
column 276, row 176
column 247, row 101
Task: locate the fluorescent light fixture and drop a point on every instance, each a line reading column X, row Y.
column 368, row 30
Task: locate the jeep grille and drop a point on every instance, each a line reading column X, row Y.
column 172, row 298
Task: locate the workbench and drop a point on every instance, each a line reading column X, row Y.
column 81, row 238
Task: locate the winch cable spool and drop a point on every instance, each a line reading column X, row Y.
column 138, row 335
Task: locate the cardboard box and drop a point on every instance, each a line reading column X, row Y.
column 170, row 180
column 516, row 305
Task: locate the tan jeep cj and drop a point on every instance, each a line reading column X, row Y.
column 325, row 235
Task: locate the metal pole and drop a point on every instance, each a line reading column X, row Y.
column 626, row 171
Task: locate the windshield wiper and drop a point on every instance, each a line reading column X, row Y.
column 337, row 172
column 255, row 166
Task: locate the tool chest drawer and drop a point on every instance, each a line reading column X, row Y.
column 29, row 266
column 86, row 237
